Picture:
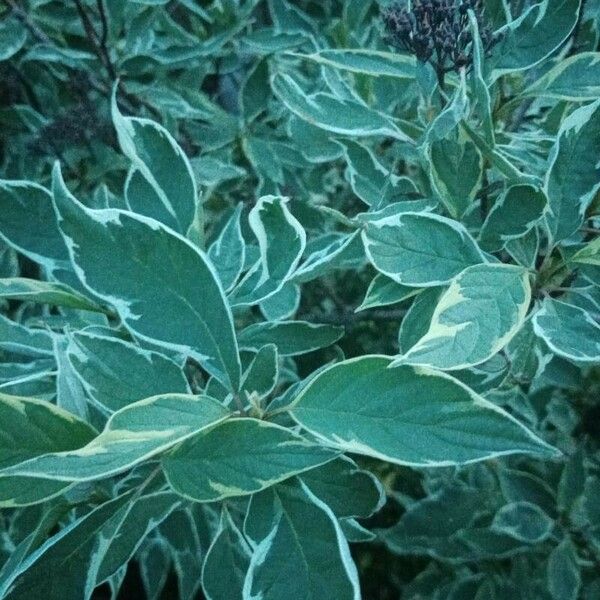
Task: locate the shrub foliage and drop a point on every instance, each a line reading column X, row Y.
column 299, row 299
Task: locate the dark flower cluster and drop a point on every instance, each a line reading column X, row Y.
column 437, row 31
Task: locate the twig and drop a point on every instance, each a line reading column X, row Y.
column 519, row 115
column 349, row 317
column 97, row 41
column 103, row 21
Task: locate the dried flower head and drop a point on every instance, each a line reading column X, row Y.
column 437, row 31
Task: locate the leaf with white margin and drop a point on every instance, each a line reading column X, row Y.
column 420, row 249
column 384, row 291
column 291, row 337
column 261, row 376
column 226, row 563
column 316, row 264
column 331, row 481
column 574, row 174
column 13, row 35
column 283, row 304
column 366, row 61
column 228, row 251
column 534, row 35
column 163, row 287
column 575, row 78
column 143, row 515
column 479, row 313
column 342, row 116
column 15, row 337
column 568, row 330
column 66, row 565
column 116, row 373
column 523, row 521
column 239, row 457
column 28, row 224
column 281, row 240
column 29, row 428
column 304, row 555
column 370, row 180
column 589, row 254
column 161, row 185
column 45, row 292
column 455, row 171
column 133, row 434
column 408, row 415
column 512, row 216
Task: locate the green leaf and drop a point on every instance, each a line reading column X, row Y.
column 143, row 515
column 534, row 35
column 117, row 373
column 589, row 254
column 429, row 525
column 575, row 78
column 366, row 62
column 314, row 143
column 524, row 521
column 283, row 304
column 45, row 292
column 65, row 566
column 417, row 319
column 568, row 330
column 70, row 394
column 262, row 374
column 331, row 481
column 239, row 457
column 334, row 255
column 163, row 288
column 420, row 249
column 132, row 435
column 28, row 224
column 226, row 563
column 574, row 174
column 370, row 180
column 455, row 170
column 363, row 406
column 563, row 575
column 305, row 555
column 281, row 240
column 478, row 84
column 13, row 35
column 342, row 116
column 18, row 491
column 228, row 252
column 384, row 291
column 30, row 428
column 474, row 318
column 15, row 337
column 161, row 184
column 513, row 215
column 290, row 337
column 449, row 117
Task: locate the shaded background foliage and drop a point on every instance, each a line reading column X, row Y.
column 505, row 528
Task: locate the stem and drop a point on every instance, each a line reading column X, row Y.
column 240, row 405
column 98, row 42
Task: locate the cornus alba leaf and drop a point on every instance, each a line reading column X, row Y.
column 299, row 316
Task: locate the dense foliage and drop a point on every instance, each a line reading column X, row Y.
column 299, row 299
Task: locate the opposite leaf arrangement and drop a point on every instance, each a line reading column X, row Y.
column 185, row 383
